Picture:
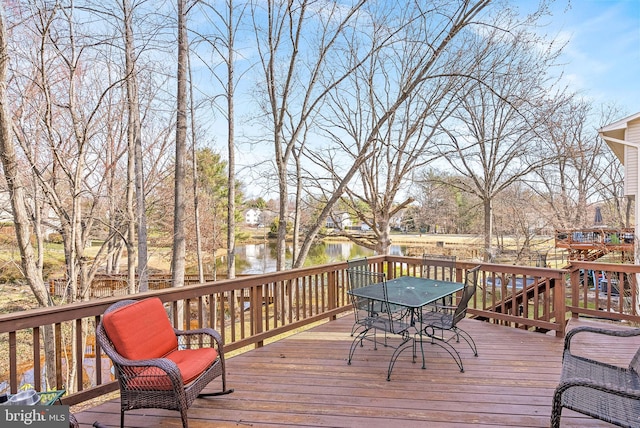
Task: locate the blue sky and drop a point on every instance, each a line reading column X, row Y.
column 602, row 58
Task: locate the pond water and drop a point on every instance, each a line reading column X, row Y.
column 261, row 258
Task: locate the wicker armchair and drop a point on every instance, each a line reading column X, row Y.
column 156, row 365
column 73, row 422
column 597, row 389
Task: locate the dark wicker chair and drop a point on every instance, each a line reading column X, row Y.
column 373, row 316
column 73, row 422
column 441, row 325
column 597, row 389
column 156, row 365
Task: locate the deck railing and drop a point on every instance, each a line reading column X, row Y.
column 250, row 310
column 614, row 237
column 515, row 296
column 604, row 290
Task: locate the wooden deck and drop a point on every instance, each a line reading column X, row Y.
column 304, row 381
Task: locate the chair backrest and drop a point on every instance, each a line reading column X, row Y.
column 438, row 266
column 470, row 283
column 357, row 266
column 139, row 330
column 364, row 307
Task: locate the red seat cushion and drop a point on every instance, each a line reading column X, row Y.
column 190, row 362
column 141, row 330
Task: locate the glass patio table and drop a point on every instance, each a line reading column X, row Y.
column 412, row 293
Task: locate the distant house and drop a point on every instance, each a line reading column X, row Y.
column 253, row 217
column 6, row 215
column 50, row 220
column 339, row 221
column 398, row 221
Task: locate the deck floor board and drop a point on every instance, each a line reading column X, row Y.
column 305, row 381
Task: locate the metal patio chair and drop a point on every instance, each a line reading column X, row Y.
column 438, row 266
column 372, row 316
column 356, row 266
column 441, row 325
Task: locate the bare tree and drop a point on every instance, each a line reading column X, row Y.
column 570, row 181
column 397, row 146
column 440, row 26
column 135, row 170
column 179, row 243
column 494, row 137
column 19, row 203
column 225, row 22
column 297, row 75
column 194, row 166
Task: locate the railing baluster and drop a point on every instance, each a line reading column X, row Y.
column 80, row 352
column 37, row 370
column 13, row 362
column 59, row 352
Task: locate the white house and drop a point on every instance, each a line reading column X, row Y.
column 6, row 215
column 50, row 220
column 253, row 217
column 339, row 221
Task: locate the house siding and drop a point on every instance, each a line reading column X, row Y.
column 631, row 158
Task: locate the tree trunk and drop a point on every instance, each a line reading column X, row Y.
column 231, row 204
column 19, row 206
column 385, row 236
column 131, row 215
column 179, row 243
column 489, row 253
column 135, row 141
column 194, row 168
column 297, row 208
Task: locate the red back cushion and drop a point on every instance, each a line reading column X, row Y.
column 141, row 330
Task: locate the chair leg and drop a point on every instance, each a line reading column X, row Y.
column 555, row 417
column 444, row 344
column 424, row 366
column 404, row 345
column 217, row 393
column 185, row 420
column 121, row 418
column 354, row 344
column 467, row 338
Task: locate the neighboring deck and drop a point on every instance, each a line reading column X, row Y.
column 304, row 380
column 593, row 243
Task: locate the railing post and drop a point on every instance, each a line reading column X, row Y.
column 559, row 305
column 574, row 283
column 256, row 307
column 332, row 290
